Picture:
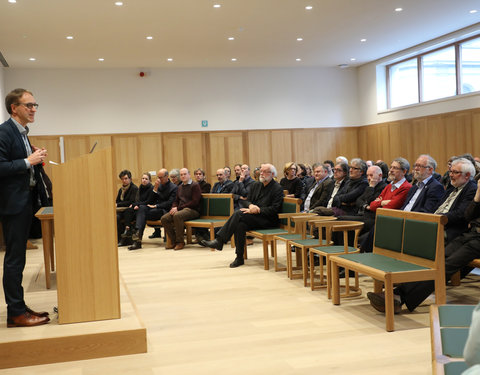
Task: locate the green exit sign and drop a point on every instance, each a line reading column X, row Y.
column 204, row 123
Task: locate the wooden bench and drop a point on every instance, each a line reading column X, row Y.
column 215, row 210
column 449, row 326
column 455, row 279
column 290, row 206
column 408, row 246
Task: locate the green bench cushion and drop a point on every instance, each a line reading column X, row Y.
column 205, row 221
column 307, row 242
column 453, row 341
column 219, row 207
column 420, row 238
column 455, row 315
column 334, row 249
column 389, row 233
column 203, row 206
column 455, row 368
column 287, row 237
column 288, row 208
column 382, row 262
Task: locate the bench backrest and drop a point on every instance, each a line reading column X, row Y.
column 216, row 206
column 410, row 236
column 289, row 206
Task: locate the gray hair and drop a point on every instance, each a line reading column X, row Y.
column 431, row 162
column 360, row 163
column 466, row 166
column 404, row 164
column 316, row 165
column 175, row 172
column 341, row 159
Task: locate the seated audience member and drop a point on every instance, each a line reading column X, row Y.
column 308, row 168
column 376, row 184
column 125, row 197
column 242, row 186
column 369, row 163
column 458, row 253
column 385, row 169
column 144, row 196
column 341, row 159
column 344, row 201
column 471, row 351
column 237, row 169
column 457, row 197
column 228, row 172
column 427, row 192
column 291, row 182
column 330, row 165
column 260, row 211
column 224, row 185
column 199, row 174
column 185, row 207
column 320, row 190
column 446, row 177
column 302, row 174
column 175, row 176
column 340, row 175
column 256, row 174
column 164, row 192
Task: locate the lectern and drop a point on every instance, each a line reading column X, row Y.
column 85, row 239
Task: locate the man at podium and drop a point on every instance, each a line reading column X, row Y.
column 20, row 166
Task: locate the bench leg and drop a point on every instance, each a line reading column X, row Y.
column 377, row 286
column 304, row 265
column 265, row 254
column 455, row 279
column 389, row 310
column 335, row 282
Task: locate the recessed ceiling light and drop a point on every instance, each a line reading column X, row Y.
column 298, row 59
column 101, row 59
column 149, row 37
column 363, row 40
column 231, row 38
column 118, row 3
column 12, row 1
column 169, row 59
column 353, row 59
column 32, row 58
column 69, row 37
column 473, row 11
column 299, row 39
column 308, row 7
column 234, row 59
column 216, row 5
column 398, row 9
column 343, row 66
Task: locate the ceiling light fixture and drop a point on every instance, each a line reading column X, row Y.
column 473, row 11
column 308, row 7
column 69, row 37
column 169, row 59
column 149, row 37
column 12, row 1
column 118, row 3
column 398, row 9
column 363, row 40
column 298, row 59
column 234, row 59
column 101, row 59
column 32, row 59
column 299, row 39
column 353, row 59
column 231, row 38
column 216, row 5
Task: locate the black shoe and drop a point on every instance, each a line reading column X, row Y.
column 136, row 245
column 215, row 244
column 128, row 233
column 156, row 234
column 377, row 300
column 237, row 262
column 125, row 242
column 136, row 236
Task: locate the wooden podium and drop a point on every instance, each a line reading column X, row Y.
column 85, row 239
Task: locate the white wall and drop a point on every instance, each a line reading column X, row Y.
column 367, row 87
column 87, row 101
column 3, row 111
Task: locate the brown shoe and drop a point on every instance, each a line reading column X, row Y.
column 26, row 320
column 179, row 246
column 168, row 247
column 41, row 313
column 377, row 300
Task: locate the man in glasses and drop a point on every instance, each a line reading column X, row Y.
column 21, row 185
column 224, row 185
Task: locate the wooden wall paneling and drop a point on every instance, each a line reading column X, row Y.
column 419, row 139
column 150, row 153
column 194, row 151
column 234, row 149
column 51, row 144
column 125, row 156
column 216, row 154
column 363, row 147
column 282, row 150
column 260, row 148
column 305, row 146
column 173, row 151
column 346, row 142
column 436, row 142
column 75, row 146
column 103, row 141
column 463, row 122
column 392, row 141
column 454, row 144
column 476, row 132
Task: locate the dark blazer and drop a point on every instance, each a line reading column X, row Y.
column 321, row 194
column 346, row 198
column 14, row 175
column 369, row 195
column 457, row 223
column 129, row 197
column 226, row 188
column 166, row 194
column 429, row 198
column 269, row 198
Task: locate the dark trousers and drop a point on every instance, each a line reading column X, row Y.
column 145, row 213
column 15, row 230
column 239, row 224
column 458, row 253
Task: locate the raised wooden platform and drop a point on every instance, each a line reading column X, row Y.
column 53, row 342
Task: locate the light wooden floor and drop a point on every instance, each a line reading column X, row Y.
column 205, row 318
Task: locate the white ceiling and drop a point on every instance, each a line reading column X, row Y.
column 195, row 34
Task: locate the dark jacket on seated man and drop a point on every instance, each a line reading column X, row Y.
column 346, row 198
column 224, row 188
column 321, row 194
column 126, row 197
column 205, row 187
column 429, row 198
